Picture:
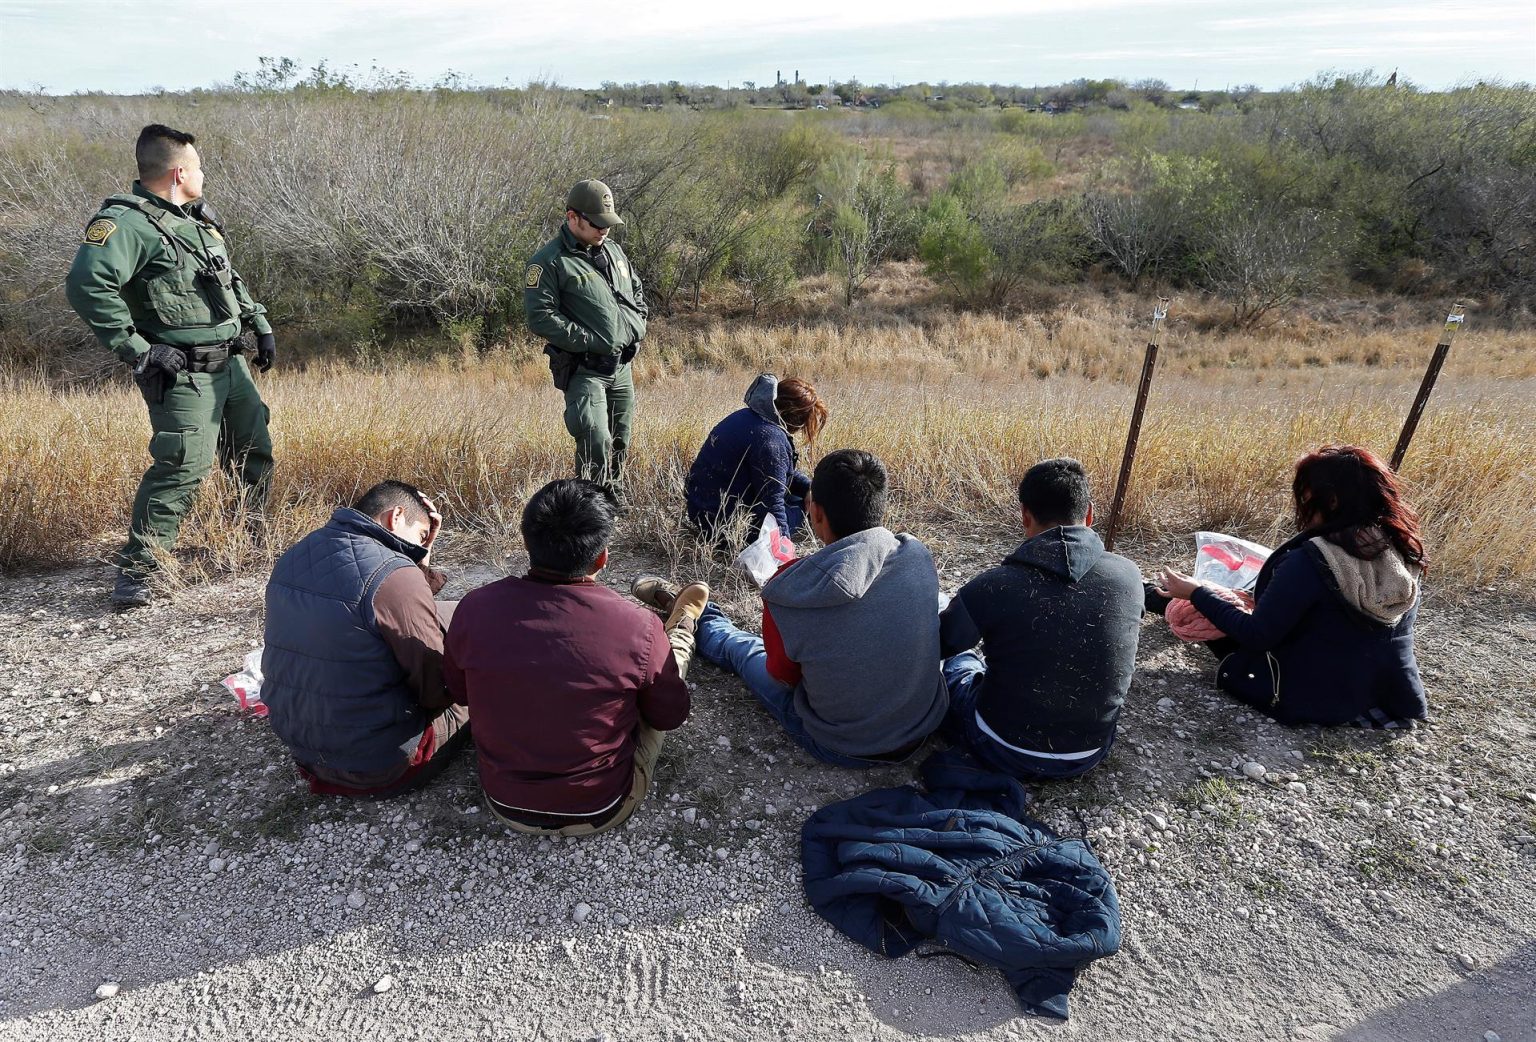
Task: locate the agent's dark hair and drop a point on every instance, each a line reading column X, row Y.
column 1349, row 496
column 849, row 485
column 567, row 524
column 386, row 495
column 802, row 411
column 1056, row 492
column 158, row 149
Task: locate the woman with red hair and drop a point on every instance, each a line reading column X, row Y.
column 1330, row 636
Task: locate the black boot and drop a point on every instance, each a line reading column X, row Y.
column 131, row 591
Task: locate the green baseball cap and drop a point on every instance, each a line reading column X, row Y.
column 594, row 201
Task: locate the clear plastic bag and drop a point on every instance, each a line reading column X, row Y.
column 246, row 685
column 1226, row 560
column 766, row 554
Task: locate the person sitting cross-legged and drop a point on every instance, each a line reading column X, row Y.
column 353, row 660
column 570, row 685
column 1058, row 622
column 848, row 662
column 1329, row 639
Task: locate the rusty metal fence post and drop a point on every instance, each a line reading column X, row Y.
column 1453, row 322
column 1159, row 314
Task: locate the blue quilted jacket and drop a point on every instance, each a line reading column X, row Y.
column 961, row 867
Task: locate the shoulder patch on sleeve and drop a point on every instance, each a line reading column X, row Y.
column 99, row 231
column 534, row 274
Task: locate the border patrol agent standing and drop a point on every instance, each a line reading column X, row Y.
column 153, row 281
column 583, row 298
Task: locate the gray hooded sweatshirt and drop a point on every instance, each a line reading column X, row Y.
column 860, row 617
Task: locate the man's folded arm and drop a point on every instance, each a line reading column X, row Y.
column 664, row 701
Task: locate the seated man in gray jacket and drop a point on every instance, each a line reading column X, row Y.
column 1059, row 620
column 848, row 662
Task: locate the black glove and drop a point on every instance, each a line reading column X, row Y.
column 161, row 359
column 266, row 351
column 602, row 365
column 157, row 369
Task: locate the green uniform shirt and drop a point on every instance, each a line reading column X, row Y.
column 135, row 287
column 571, row 306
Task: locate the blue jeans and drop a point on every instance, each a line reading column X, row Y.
column 719, row 641
column 963, row 675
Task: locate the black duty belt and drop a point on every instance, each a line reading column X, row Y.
column 210, row 358
column 603, row 365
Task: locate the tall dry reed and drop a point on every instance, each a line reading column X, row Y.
column 1215, row 453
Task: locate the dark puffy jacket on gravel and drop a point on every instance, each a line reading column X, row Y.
column 962, row 868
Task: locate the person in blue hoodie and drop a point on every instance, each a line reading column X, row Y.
column 1058, row 622
column 848, row 663
column 748, row 461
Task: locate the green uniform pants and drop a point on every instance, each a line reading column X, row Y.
column 600, row 414
column 203, row 415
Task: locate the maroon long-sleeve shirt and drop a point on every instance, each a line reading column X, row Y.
column 557, row 676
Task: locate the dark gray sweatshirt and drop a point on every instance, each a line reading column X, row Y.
column 1058, row 621
column 860, row 616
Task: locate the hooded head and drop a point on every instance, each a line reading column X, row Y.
column 792, row 405
column 759, row 398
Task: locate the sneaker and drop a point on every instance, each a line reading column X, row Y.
column 688, row 603
column 654, row 591
column 131, row 591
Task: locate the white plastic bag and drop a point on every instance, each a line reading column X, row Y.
column 246, row 684
column 1226, row 560
column 766, row 554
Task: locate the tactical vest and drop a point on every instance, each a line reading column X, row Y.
column 199, row 291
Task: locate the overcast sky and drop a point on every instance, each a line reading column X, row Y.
column 127, row 46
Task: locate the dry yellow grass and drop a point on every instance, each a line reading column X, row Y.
column 957, row 411
column 899, row 329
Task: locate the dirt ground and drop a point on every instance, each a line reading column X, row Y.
column 154, row 836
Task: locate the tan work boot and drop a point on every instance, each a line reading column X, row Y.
column 688, row 603
column 654, row 591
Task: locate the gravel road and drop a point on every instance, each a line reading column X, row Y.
column 164, row 874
